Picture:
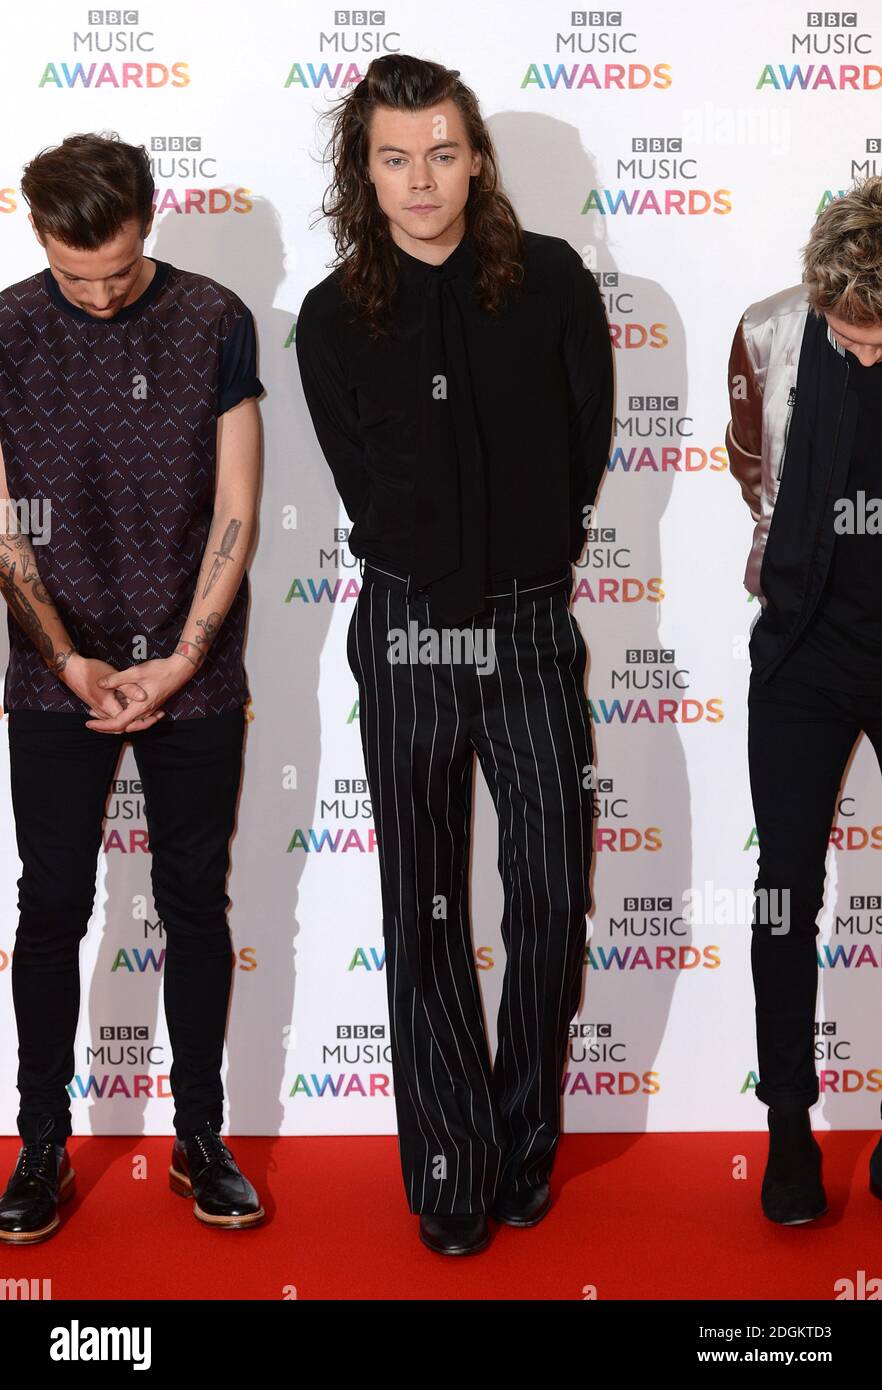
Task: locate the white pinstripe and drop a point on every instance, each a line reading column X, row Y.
column 562, row 805
column 463, row 920
column 526, row 1085
column 416, row 902
column 511, row 842
column 377, row 783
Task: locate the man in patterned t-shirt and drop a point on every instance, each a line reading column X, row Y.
column 129, row 428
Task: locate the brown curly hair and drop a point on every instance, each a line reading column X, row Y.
column 843, row 256
column 365, row 249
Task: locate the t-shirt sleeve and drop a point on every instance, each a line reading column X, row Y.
column 237, row 377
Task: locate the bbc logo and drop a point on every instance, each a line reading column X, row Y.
column 831, row 19
column 175, row 144
column 653, row 402
column 596, row 19
column 358, row 19
column 360, row 1030
column 649, row 656
column 657, row 144
column 117, row 19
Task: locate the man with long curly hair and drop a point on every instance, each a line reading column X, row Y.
column 458, row 371
column 805, row 391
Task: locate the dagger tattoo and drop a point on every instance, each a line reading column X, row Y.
column 222, row 556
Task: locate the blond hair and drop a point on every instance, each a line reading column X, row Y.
column 842, row 259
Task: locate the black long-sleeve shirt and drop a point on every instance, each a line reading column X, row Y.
column 542, row 381
column 842, row 645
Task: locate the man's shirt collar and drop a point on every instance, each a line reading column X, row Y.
column 460, row 262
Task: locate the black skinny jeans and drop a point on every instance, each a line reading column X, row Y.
column 61, row 773
column 799, row 740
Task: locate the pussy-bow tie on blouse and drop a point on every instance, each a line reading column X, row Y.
column 450, row 502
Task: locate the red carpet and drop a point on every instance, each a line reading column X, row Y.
column 636, row 1216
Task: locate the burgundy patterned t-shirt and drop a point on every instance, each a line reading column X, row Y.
column 113, row 421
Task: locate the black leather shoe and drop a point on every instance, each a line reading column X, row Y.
column 525, row 1208
column 792, row 1191
column 42, row 1178
column 876, row 1171
column 455, row 1235
column 202, row 1167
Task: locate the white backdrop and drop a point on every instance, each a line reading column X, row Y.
column 685, row 147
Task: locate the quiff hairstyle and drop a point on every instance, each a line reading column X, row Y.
column 83, row 191
column 842, row 259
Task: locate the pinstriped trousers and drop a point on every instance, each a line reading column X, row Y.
column 468, row 1129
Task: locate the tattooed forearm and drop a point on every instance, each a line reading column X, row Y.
column 31, row 575
column 24, row 613
column 29, row 572
column 60, row 660
column 222, row 556
column 222, row 568
column 192, row 653
column 209, row 627
column 17, row 570
column 195, row 651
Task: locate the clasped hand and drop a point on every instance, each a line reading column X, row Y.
column 125, row 701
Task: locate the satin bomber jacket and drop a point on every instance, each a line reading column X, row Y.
column 789, row 441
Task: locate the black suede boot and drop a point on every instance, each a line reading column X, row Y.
column 792, row 1191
